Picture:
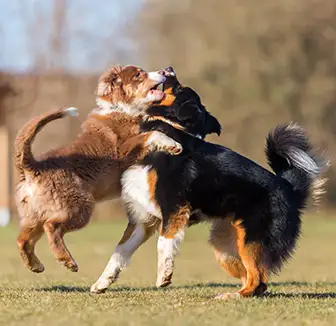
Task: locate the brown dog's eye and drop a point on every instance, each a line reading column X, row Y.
column 138, row 74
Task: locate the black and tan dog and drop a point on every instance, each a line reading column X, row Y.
column 255, row 213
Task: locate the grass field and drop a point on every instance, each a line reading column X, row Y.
column 304, row 293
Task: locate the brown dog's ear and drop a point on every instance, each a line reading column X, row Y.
column 212, row 125
column 108, row 81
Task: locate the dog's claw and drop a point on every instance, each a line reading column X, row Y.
column 164, row 283
column 99, row 287
column 71, row 265
column 175, row 150
column 165, row 280
column 37, row 269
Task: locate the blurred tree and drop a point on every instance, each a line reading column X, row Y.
column 6, row 91
column 255, row 63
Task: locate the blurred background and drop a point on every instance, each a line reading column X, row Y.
column 254, row 63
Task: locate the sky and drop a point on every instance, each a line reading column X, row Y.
column 91, row 36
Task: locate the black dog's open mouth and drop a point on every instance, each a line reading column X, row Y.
column 158, row 87
column 157, row 90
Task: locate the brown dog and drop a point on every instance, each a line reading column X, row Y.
column 56, row 194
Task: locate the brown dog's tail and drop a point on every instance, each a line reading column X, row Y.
column 24, row 159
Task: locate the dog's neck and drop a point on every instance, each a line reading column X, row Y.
column 173, row 124
column 105, row 107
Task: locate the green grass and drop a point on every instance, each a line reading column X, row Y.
column 303, row 294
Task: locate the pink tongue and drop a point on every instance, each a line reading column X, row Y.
column 157, row 92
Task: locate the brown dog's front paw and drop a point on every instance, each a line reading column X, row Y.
column 72, row 266
column 37, row 268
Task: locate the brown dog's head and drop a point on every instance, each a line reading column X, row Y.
column 182, row 106
column 129, row 89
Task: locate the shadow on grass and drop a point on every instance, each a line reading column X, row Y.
column 69, row 289
column 126, row 289
column 301, row 295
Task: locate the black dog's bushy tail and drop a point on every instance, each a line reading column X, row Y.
column 289, row 154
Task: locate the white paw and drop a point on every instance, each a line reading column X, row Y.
column 165, row 272
column 160, row 141
column 164, row 281
column 100, row 286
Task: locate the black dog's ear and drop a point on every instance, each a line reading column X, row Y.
column 213, row 125
column 188, row 111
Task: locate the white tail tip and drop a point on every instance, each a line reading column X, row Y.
column 71, row 112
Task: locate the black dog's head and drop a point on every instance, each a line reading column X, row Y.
column 182, row 106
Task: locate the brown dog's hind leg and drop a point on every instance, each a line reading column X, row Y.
column 55, row 228
column 55, row 233
column 26, row 241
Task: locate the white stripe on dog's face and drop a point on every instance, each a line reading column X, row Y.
column 157, row 77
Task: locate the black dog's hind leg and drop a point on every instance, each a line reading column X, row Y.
column 240, row 259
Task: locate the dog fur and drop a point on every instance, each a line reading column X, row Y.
column 186, row 107
column 57, row 192
column 255, row 213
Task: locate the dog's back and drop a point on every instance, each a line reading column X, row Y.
column 263, row 208
column 87, row 169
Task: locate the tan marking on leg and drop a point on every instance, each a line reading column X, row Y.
column 250, row 255
column 233, row 265
column 152, row 180
column 168, row 244
column 245, row 263
column 223, row 239
column 176, row 222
